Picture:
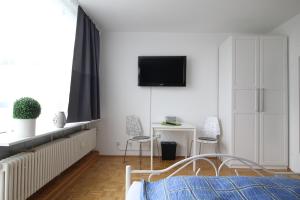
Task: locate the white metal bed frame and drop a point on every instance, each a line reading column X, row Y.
column 185, row 162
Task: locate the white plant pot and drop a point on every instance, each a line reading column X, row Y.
column 24, row 127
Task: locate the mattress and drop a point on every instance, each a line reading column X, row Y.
column 224, row 187
column 135, row 191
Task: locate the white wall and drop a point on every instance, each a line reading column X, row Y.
column 121, row 96
column 292, row 29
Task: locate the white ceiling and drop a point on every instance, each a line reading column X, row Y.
column 204, row 16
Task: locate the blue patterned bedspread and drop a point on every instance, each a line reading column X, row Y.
column 230, row 187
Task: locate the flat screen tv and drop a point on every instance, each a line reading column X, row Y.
column 162, row 71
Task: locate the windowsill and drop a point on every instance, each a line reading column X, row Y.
column 10, row 138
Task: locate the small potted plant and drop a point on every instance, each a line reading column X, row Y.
column 25, row 112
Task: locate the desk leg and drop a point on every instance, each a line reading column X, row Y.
column 151, row 147
column 194, row 150
column 187, row 145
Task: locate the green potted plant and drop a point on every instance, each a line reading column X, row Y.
column 25, row 112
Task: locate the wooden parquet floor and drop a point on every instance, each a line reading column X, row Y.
column 98, row 177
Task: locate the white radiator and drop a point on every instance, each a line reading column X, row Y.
column 23, row 174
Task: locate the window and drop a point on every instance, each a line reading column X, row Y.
column 36, row 52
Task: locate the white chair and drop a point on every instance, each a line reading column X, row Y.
column 134, row 129
column 210, row 134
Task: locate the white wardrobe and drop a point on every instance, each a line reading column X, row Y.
column 253, row 99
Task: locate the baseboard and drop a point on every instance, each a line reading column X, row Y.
column 131, row 156
column 255, row 167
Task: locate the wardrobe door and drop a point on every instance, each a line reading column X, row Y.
column 273, row 101
column 245, row 97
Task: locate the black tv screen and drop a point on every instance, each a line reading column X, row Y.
column 162, row 71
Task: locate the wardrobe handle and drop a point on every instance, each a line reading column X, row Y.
column 257, row 102
column 261, row 98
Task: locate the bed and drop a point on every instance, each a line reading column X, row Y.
column 276, row 186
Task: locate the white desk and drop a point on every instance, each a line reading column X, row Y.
column 183, row 127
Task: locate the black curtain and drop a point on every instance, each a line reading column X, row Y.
column 84, row 99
